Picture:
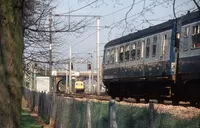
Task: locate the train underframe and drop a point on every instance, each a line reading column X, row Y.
column 187, row 88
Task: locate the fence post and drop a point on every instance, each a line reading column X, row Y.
column 88, row 113
column 62, row 125
column 112, row 113
column 33, row 100
column 152, row 115
column 39, row 105
column 48, row 107
column 53, row 109
column 73, row 113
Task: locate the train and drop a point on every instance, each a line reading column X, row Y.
column 79, row 86
column 160, row 62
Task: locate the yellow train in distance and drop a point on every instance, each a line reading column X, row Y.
column 79, row 86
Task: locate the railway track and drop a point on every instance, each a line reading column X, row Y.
column 86, row 96
column 184, row 110
column 127, row 100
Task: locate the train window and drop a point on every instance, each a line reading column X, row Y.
column 148, row 41
column 107, row 56
column 196, row 37
column 108, row 53
column 116, row 54
column 196, row 29
column 138, row 49
column 147, row 51
column 165, row 38
column 155, row 40
column 138, row 53
column 142, row 49
column 112, row 53
column 154, row 51
column 186, row 31
column 121, row 54
column 147, row 47
column 133, row 51
column 154, row 46
column 127, row 49
column 139, row 44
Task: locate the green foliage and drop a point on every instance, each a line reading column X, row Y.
column 26, row 121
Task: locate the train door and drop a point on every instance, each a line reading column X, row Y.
column 142, row 57
column 116, row 72
column 132, row 58
column 174, row 50
column 126, row 59
column 138, row 58
column 121, row 61
column 164, row 52
column 185, row 41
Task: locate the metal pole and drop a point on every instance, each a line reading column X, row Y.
column 98, row 59
column 32, row 77
column 70, row 70
column 67, row 74
column 92, row 57
column 90, row 82
column 50, row 52
column 35, row 83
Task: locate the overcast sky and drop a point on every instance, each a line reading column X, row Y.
column 143, row 14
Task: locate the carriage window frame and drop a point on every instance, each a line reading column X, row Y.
column 195, row 32
column 154, row 46
column 107, row 56
column 112, row 56
column 164, row 44
column 147, row 52
column 127, row 52
column 196, row 29
column 186, row 31
column 116, row 54
column 142, row 48
column 121, row 54
column 138, row 50
column 133, row 51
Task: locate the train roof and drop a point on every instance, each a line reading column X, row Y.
column 186, row 19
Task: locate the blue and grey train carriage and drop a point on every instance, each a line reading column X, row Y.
column 159, row 62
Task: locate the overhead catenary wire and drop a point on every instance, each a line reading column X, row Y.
column 106, row 16
column 89, row 4
column 108, row 27
column 95, row 32
column 149, row 20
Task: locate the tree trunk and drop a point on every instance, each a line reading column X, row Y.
column 11, row 74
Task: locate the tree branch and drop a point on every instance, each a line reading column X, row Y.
column 196, row 4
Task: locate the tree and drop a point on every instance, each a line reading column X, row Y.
column 11, row 51
column 35, row 17
column 37, row 31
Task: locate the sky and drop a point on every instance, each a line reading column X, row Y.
column 142, row 14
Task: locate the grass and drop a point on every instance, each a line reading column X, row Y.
column 26, row 121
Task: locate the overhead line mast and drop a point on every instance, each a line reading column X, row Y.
column 98, row 58
column 97, row 50
column 50, row 52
